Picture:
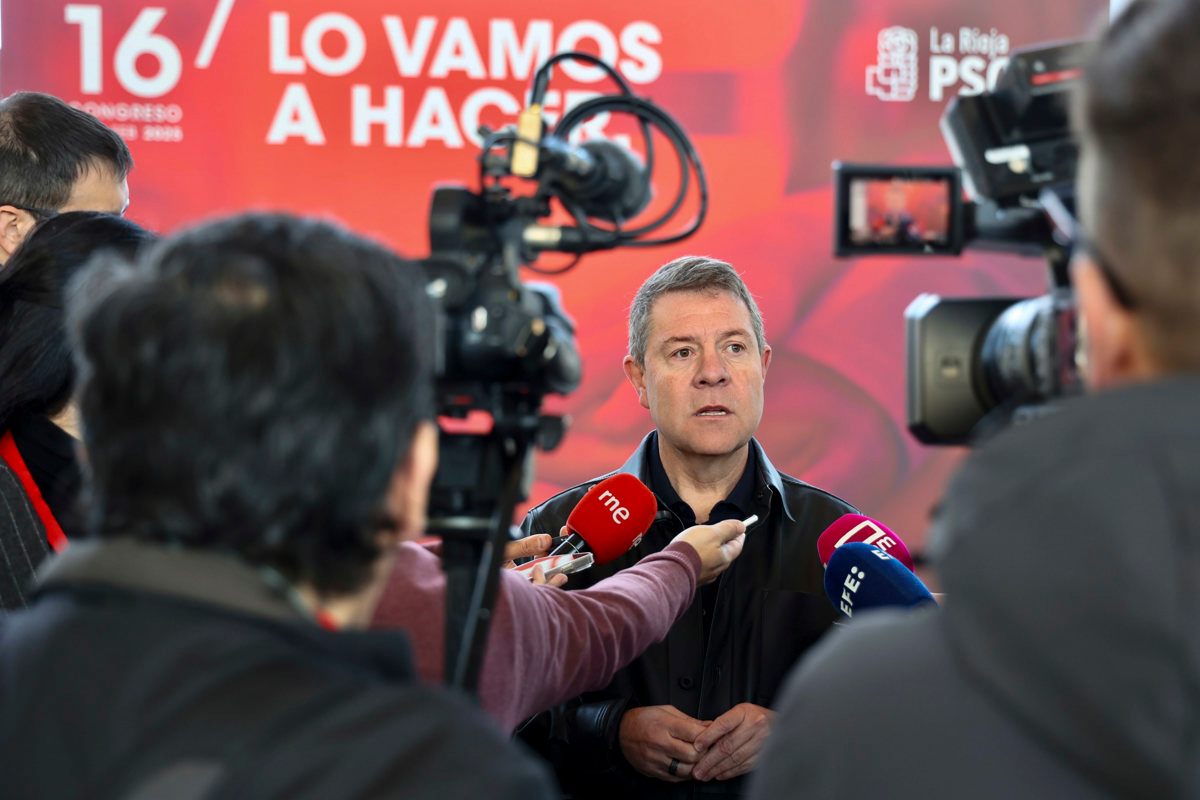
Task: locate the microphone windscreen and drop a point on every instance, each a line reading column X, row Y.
column 613, row 515
column 857, row 528
column 861, row 576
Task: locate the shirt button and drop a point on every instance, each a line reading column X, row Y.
column 686, row 683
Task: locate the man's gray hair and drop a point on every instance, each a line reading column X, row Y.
column 687, row 274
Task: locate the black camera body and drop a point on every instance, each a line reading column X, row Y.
column 1015, row 140
column 976, row 364
column 502, row 345
column 495, row 327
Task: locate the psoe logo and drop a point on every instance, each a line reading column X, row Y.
column 894, row 77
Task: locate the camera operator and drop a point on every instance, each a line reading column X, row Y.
column 1063, row 663
column 255, row 397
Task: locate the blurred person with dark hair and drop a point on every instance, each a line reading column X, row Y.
column 39, row 478
column 254, row 397
column 256, row 401
column 55, row 158
column 1064, row 662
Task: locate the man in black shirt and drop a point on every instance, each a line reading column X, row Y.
column 738, row 505
column 691, row 715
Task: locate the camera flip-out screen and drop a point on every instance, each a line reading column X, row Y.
column 897, row 210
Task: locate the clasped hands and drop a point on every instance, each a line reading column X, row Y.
column 664, row 743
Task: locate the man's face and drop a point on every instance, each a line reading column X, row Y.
column 703, row 375
column 99, row 189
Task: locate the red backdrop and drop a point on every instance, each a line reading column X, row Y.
column 234, row 104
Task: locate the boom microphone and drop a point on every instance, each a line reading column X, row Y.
column 857, row 528
column 861, row 576
column 604, row 179
column 610, row 519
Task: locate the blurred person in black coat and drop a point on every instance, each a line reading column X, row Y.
column 1064, row 662
column 255, row 398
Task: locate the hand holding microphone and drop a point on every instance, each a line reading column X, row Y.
column 614, row 514
column 719, row 545
column 610, row 518
column 534, row 547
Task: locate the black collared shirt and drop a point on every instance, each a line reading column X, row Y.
column 737, row 505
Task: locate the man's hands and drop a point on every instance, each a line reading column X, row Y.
column 718, row 546
column 653, row 735
column 730, row 744
column 719, row 750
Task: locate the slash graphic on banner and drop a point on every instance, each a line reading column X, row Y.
column 212, row 36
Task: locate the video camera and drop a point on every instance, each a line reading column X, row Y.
column 503, row 345
column 975, row 363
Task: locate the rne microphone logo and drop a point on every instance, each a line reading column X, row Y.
column 619, row 512
column 894, row 77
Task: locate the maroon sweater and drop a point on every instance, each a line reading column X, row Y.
column 545, row 645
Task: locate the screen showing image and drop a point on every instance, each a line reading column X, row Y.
column 897, row 212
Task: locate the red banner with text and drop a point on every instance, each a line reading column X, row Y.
column 354, row 110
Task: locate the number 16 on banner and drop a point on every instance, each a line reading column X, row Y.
column 141, row 39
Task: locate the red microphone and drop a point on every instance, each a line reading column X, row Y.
column 857, row 528
column 611, row 518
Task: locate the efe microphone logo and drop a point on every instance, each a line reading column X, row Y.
column 853, row 580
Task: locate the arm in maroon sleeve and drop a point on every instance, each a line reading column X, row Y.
column 545, row 645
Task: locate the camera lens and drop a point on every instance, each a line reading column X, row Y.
column 1028, row 353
